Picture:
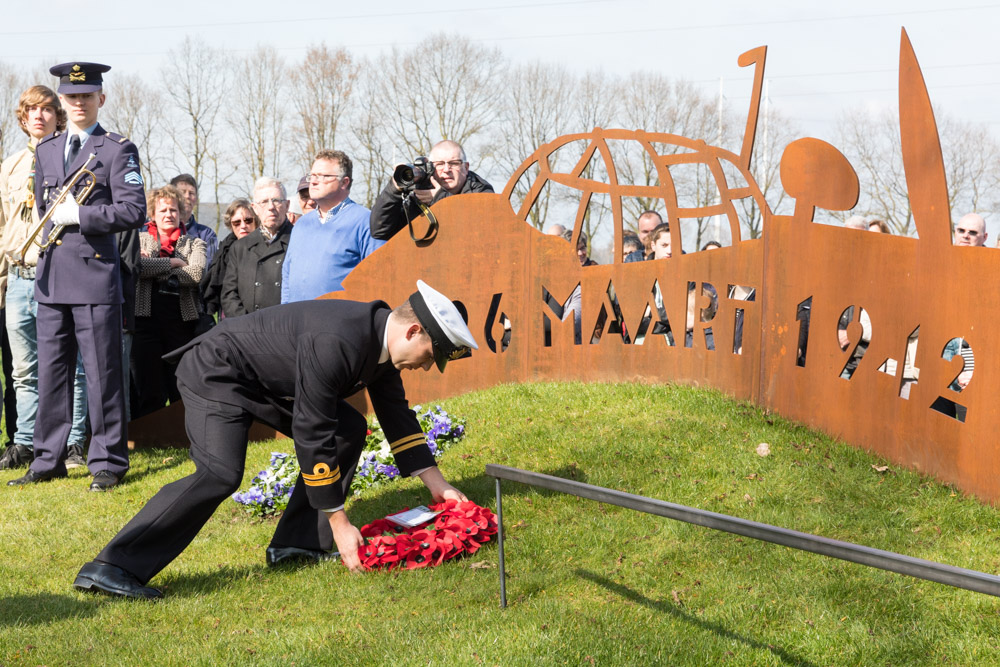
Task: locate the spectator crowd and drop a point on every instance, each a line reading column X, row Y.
column 133, row 275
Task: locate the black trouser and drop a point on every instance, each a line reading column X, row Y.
column 9, row 397
column 218, row 433
column 153, row 381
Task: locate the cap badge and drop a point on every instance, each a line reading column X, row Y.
column 77, row 75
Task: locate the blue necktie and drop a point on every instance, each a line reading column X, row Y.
column 74, row 150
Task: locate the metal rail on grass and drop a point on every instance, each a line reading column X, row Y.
column 884, row 560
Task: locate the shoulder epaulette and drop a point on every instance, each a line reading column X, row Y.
column 50, row 137
column 117, row 137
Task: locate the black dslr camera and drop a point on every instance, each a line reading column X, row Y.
column 416, row 176
column 171, row 286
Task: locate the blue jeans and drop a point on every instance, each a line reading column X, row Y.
column 22, row 333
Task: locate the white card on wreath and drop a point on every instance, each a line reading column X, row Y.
column 413, row 518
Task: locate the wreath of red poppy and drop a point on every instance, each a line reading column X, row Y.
column 460, row 528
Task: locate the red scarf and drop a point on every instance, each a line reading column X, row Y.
column 168, row 242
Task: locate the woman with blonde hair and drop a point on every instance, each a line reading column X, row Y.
column 166, row 299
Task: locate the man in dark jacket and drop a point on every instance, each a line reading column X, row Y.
column 253, row 267
column 451, row 177
column 290, row 367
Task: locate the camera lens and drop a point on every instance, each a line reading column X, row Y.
column 404, row 175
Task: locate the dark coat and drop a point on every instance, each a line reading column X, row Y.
column 292, row 364
column 206, row 234
column 388, row 216
column 83, row 274
column 84, row 269
column 211, row 282
column 253, row 272
column 129, row 251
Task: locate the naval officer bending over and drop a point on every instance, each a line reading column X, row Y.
column 290, row 367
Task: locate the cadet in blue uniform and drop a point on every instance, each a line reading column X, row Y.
column 78, row 285
column 290, row 366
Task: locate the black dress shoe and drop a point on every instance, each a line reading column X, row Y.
column 96, row 577
column 16, row 456
column 33, row 477
column 104, row 481
column 296, row 555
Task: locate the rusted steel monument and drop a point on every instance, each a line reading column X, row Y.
column 763, row 319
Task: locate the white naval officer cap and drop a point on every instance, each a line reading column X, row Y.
column 445, row 322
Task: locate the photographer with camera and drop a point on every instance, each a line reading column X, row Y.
column 428, row 180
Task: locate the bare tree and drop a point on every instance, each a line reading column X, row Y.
column 135, row 110
column 11, row 87
column 535, row 111
column 371, row 141
column 197, row 79
column 406, row 101
column 871, row 143
column 591, row 106
column 446, row 88
column 972, row 167
column 322, row 86
column 774, row 133
column 655, row 103
column 259, row 126
column 971, row 158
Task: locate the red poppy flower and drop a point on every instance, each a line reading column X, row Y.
column 416, row 560
column 404, row 545
column 450, row 543
column 377, row 527
column 425, row 542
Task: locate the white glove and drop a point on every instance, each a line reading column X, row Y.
column 67, row 213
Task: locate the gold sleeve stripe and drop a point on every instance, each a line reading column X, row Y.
column 403, row 448
column 321, row 475
column 409, row 441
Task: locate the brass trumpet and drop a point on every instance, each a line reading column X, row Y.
column 18, row 255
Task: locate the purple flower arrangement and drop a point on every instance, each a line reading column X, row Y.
column 376, row 467
column 272, row 487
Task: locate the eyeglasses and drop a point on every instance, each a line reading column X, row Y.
column 271, row 202
column 323, row 178
column 966, row 232
column 452, row 164
column 242, row 222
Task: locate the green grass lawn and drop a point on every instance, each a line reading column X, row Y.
column 587, row 584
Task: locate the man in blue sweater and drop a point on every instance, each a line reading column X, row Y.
column 329, row 241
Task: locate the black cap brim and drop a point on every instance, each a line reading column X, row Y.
column 444, row 350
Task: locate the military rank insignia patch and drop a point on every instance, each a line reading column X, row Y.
column 321, row 475
column 133, row 178
column 132, row 163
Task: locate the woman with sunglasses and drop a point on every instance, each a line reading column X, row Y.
column 240, row 219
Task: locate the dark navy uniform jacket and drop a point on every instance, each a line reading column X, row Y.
column 297, row 362
column 84, row 269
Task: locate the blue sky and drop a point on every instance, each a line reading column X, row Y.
column 822, row 58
